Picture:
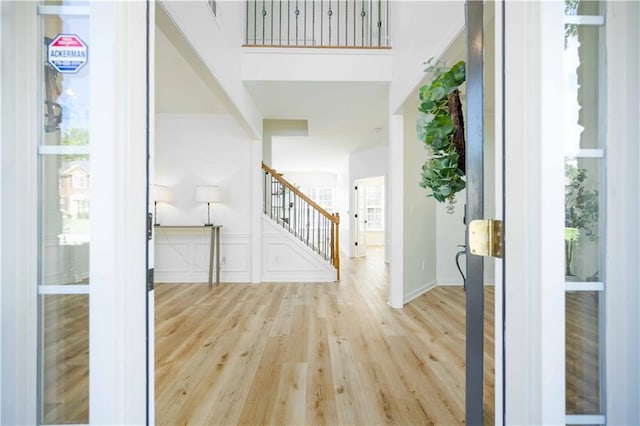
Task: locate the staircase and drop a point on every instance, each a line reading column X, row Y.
column 302, row 217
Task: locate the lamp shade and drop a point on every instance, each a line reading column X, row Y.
column 208, row 194
column 162, row 193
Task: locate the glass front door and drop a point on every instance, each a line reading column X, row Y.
column 585, row 192
column 93, row 103
column 64, row 213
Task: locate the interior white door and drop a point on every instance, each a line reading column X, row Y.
column 360, row 220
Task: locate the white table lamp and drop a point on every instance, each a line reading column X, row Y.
column 160, row 194
column 208, row 194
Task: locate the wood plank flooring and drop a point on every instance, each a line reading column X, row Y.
column 305, row 354
column 583, row 352
column 65, row 359
column 299, row 354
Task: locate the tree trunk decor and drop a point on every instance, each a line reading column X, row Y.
column 440, row 126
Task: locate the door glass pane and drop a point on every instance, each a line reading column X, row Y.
column 582, row 7
column 586, row 424
column 582, row 88
column 65, row 359
column 583, row 229
column 65, row 218
column 66, row 94
column 583, row 352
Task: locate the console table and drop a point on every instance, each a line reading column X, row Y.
column 214, row 247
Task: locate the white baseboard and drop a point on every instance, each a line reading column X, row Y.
column 419, row 291
column 452, row 284
column 180, row 277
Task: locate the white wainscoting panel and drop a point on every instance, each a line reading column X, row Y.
column 235, row 259
column 183, row 257
column 286, row 259
column 64, row 263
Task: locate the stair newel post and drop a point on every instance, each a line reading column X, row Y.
column 264, row 193
column 336, row 243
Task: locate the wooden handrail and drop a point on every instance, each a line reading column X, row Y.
column 284, row 182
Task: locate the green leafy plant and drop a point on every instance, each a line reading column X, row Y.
column 581, row 211
column 75, row 137
column 440, row 126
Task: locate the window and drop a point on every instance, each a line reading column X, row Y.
column 374, row 204
column 80, row 181
column 324, row 196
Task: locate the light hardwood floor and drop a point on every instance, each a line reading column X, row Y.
column 305, row 354
column 313, row 353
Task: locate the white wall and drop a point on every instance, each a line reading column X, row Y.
column 218, row 42
column 420, row 268
column 450, row 228
column 314, row 178
column 265, row 64
column 203, row 149
column 450, row 233
column 416, row 37
column 273, row 128
column 342, row 202
column 181, row 85
column 369, row 163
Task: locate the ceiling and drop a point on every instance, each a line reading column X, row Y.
column 343, row 117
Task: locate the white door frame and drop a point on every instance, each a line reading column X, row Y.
column 622, row 294
column 534, row 214
column 118, row 227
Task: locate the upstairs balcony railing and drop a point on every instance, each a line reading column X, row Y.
column 317, row 23
column 302, row 217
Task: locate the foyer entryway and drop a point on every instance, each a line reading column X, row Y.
column 313, row 353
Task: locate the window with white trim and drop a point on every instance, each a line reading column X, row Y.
column 324, row 196
column 374, row 207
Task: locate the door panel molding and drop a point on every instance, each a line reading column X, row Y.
column 534, row 216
